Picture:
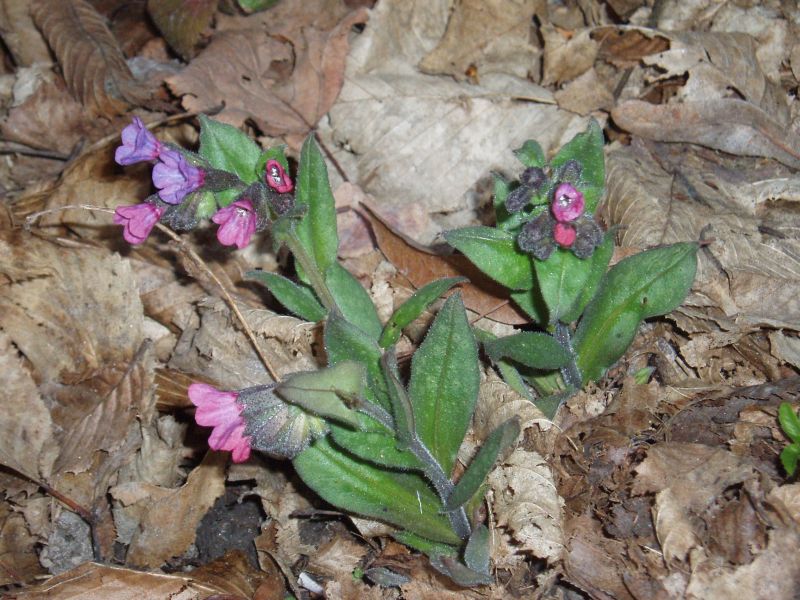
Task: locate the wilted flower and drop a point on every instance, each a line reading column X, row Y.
column 175, row 177
column 138, row 220
column 138, row 144
column 221, row 411
column 237, row 223
column 531, row 182
column 568, row 203
column 277, row 178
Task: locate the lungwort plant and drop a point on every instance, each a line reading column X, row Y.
column 548, row 249
column 369, row 437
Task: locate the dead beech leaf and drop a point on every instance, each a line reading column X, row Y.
column 182, row 23
column 688, row 479
column 91, row 61
column 158, row 538
column 566, row 57
column 730, row 125
column 786, row 500
column 491, row 36
column 18, row 545
column 527, row 503
column 285, row 83
column 421, row 266
column 20, row 35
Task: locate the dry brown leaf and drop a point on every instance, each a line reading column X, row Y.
column 773, row 575
column 527, row 503
column 688, row 479
column 486, row 37
column 338, row 558
column 285, row 82
column 786, row 500
column 421, row 266
column 20, row 35
column 18, row 557
column 182, row 23
column 26, row 428
column 566, row 56
column 170, row 520
column 93, row 65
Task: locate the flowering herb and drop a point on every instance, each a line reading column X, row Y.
column 790, row 424
column 222, row 411
column 138, row 221
column 277, row 178
column 138, row 144
column 175, row 177
column 237, row 223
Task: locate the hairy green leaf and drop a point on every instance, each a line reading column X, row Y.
column 789, row 421
column 444, row 382
column 790, row 456
column 425, row 546
column 299, row 299
column 228, row 149
column 412, row 308
column 375, row 447
column 317, row 229
column 494, row 252
column 587, row 149
column 531, row 154
column 401, row 499
column 599, row 263
column 353, row 300
column 532, row 303
column 647, row 284
column 498, row 441
column 327, row 392
column 532, row 349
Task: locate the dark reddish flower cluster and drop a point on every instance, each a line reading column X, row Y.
column 182, row 179
column 565, row 224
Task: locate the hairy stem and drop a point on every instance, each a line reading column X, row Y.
column 309, row 266
column 570, row 373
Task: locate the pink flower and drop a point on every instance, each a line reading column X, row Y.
column 138, row 220
column 568, row 203
column 277, row 178
column 138, row 144
column 564, row 234
column 175, row 177
column 221, row 411
column 237, row 223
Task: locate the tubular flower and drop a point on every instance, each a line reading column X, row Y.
column 568, row 203
column 175, row 177
column 138, row 221
column 138, row 144
column 221, row 411
column 237, row 223
column 277, row 178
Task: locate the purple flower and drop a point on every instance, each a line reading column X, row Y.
column 138, row 144
column 568, row 203
column 221, row 411
column 138, row 220
column 277, row 178
column 175, row 177
column 237, row 223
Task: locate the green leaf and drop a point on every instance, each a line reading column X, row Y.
column 444, row 382
column 425, row 546
column 531, row 154
column 598, row 264
column 494, row 252
column 353, row 300
column 790, row 455
column 327, row 392
column 378, row 448
column 404, row 419
column 647, row 284
column 298, row 299
column 228, row 149
column 531, row 302
column 790, row 423
column 251, row 6
column 317, row 229
column 549, row 404
column 404, row 500
column 532, row 349
column 460, row 573
column 587, row 149
column 344, row 341
column 478, row 550
column 500, row 439
column 414, row 307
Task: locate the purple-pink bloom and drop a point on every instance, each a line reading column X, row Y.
column 138, row 220
column 568, row 203
column 175, row 177
column 221, row 411
column 277, row 178
column 237, row 223
column 564, row 234
column 138, row 144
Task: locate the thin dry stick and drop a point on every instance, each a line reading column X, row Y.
column 195, row 259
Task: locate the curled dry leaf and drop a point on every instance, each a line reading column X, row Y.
column 182, row 23
column 688, row 479
column 90, row 58
column 527, row 503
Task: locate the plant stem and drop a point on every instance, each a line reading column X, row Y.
column 570, row 373
column 310, row 268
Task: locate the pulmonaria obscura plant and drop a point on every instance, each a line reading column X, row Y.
column 370, row 438
column 548, row 249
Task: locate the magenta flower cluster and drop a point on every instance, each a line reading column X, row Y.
column 178, row 175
